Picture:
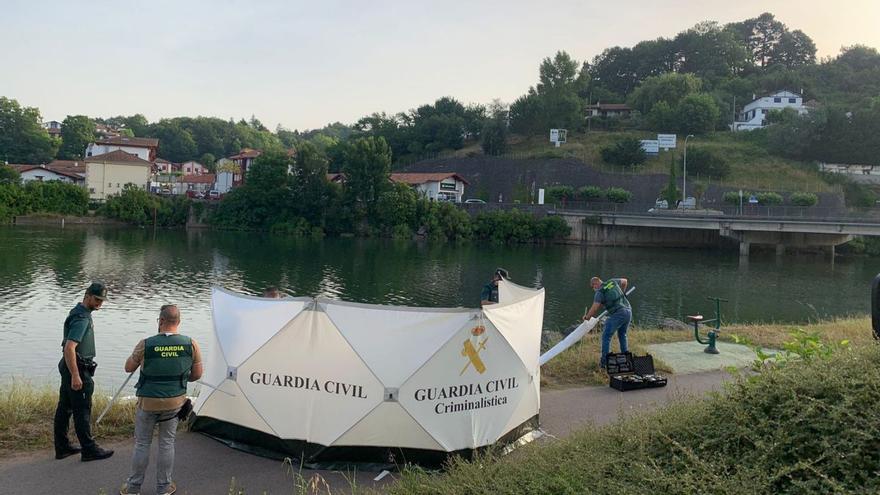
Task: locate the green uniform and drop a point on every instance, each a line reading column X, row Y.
column 168, row 360
column 78, row 327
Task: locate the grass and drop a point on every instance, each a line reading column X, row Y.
column 579, row 365
column 809, row 427
column 752, row 167
column 26, row 414
column 26, row 411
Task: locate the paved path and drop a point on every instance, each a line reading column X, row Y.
column 207, row 467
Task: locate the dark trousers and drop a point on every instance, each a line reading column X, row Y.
column 77, row 403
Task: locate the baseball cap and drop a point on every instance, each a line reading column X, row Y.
column 98, row 290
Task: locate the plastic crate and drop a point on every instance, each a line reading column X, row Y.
column 628, row 372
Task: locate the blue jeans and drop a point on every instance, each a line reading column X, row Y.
column 616, row 322
column 144, row 424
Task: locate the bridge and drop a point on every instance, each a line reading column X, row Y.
column 782, row 228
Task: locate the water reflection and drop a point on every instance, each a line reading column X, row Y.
column 43, row 272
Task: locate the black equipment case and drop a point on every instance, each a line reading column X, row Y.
column 628, row 372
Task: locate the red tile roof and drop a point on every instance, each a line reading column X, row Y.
column 421, row 178
column 246, row 153
column 160, row 160
column 24, row 168
column 129, row 141
column 198, row 179
column 118, row 156
column 68, row 167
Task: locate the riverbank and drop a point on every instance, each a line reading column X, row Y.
column 809, row 427
column 51, row 219
column 26, row 411
column 579, row 365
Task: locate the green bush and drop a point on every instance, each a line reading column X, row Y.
column 505, row 226
column 43, row 197
column 618, row 195
column 769, row 198
column 558, row 194
column 590, row 193
column 626, row 152
column 136, row 206
column 810, row 427
column 706, row 162
column 803, row 199
column 552, row 228
column 732, row 197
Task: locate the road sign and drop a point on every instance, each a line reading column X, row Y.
column 650, row 146
column 666, row 141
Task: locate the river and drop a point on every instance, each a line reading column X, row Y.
column 44, row 271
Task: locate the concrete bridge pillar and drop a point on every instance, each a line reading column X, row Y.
column 780, row 249
column 744, row 248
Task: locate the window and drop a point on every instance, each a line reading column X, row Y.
column 777, row 100
column 792, row 100
column 763, row 111
column 117, row 185
column 109, row 184
column 91, row 190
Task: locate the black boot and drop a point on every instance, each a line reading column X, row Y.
column 96, row 454
column 66, row 452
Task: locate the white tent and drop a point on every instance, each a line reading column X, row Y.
column 324, row 380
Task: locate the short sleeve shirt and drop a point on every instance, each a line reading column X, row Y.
column 599, row 297
column 157, row 404
column 78, row 327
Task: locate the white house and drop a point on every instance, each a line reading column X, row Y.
column 609, row 110
column 193, row 168
column 53, row 127
column 109, row 173
column 443, row 186
column 754, row 114
column 43, row 173
column 144, row 148
column 163, row 166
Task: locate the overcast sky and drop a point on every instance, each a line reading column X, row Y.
column 304, row 64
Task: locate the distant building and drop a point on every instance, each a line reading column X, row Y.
column 53, row 127
column 754, row 114
column 611, row 110
column 196, row 183
column 105, row 131
column 228, row 175
column 162, row 166
column 193, row 168
column 867, row 174
column 443, row 186
column 144, row 148
column 244, row 159
column 42, row 173
column 108, row 173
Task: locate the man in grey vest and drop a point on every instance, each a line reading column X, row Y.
column 611, row 295
column 168, row 360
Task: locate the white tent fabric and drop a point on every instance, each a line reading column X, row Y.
column 341, row 374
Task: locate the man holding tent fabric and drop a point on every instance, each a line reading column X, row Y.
column 489, row 294
column 612, row 296
column 168, row 360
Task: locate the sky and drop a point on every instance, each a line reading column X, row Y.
column 305, row 64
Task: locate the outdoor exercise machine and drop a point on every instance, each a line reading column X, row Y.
column 711, row 335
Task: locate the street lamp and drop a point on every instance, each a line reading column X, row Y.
column 684, row 175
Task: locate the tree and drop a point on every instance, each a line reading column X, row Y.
column 9, row 175
column 175, row 143
column 367, row 169
column 794, row 49
column 625, row 152
column 556, row 101
column 309, row 186
column 671, row 88
column 706, row 162
column 697, row 114
column 22, row 137
column 77, row 131
column 710, row 52
column 671, row 193
column 760, row 35
column 494, row 137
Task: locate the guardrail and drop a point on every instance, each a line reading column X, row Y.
column 811, row 213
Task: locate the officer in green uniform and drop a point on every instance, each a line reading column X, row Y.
column 611, row 295
column 489, row 294
column 77, row 368
column 168, row 361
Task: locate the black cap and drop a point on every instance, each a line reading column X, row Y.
column 98, row 290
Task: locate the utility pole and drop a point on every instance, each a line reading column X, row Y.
column 733, row 123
